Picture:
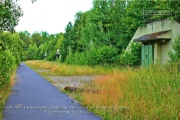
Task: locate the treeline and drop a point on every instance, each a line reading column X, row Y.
column 100, row 35
column 37, row 45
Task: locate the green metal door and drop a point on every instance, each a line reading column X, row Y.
column 147, row 55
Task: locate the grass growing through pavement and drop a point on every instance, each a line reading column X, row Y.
column 144, row 93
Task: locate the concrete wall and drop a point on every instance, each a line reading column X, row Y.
column 152, row 28
column 158, row 53
column 160, row 49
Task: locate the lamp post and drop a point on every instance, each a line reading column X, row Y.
column 45, row 54
column 57, row 54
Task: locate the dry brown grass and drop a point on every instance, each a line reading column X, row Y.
column 150, row 93
column 111, row 89
column 109, row 98
column 57, row 69
column 12, row 79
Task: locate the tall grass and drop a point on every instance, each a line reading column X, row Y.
column 56, row 69
column 148, row 93
column 133, row 93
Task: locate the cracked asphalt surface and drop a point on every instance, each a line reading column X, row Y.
column 34, row 98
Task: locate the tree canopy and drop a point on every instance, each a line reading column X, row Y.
column 10, row 12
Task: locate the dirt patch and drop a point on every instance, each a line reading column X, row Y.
column 62, row 81
column 73, row 81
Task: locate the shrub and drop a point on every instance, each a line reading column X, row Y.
column 106, row 55
column 12, row 43
column 51, row 56
column 95, row 56
column 7, row 66
column 175, row 56
column 10, row 57
column 132, row 56
column 32, row 52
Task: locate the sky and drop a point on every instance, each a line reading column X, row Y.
column 51, row 16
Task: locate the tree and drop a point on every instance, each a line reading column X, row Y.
column 25, row 36
column 10, row 12
column 37, row 38
column 32, row 52
column 65, row 46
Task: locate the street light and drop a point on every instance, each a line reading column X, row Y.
column 45, row 54
column 57, row 54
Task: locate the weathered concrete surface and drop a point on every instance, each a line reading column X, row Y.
column 73, row 81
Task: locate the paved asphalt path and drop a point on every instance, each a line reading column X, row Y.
column 34, row 98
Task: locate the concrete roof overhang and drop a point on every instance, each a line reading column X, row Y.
column 161, row 36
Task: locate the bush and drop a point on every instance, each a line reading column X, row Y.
column 10, row 58
column 131, row 57
column 95, row 56
column 106, row 55
column 51, row 56
column 32, row 52
column 175, row 56
column 12, row 43
column 7, row 66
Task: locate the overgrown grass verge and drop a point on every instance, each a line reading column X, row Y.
column 143, row 93
column 148, row 93
column 61, row 69
column 5, row 91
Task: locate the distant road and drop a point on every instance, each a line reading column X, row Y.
column 34, row 98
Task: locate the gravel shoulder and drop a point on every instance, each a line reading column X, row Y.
column 62, row 81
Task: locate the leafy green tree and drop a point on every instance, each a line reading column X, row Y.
column 25, row 37
column 51, row 50
column 37, row 38
column 10, row 12
column 41, row 51
column 45, row 37
column 32, row 52
column 12, row 43
column 65, row 46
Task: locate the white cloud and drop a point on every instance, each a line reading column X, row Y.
column 50, row 15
